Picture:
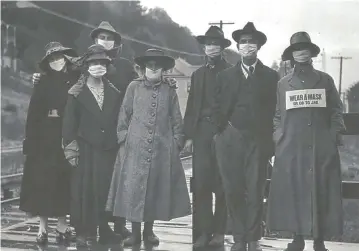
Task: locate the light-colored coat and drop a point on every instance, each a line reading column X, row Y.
column 149, row 181
column 305, row 193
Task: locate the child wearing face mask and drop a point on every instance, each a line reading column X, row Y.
column 89, row 128
column 45, row 189
column 148, row 182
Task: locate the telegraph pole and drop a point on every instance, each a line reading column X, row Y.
column 221, row 23
column 341, row 72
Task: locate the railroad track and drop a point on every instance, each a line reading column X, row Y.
column 14, row 180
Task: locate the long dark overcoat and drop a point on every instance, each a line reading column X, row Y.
column 149, row 181
column 45, row 188
column 95, row 132
column 305, row 192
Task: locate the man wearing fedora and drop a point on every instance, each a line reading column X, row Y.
column 305, row 195
column 199, row 131
column 244, row 108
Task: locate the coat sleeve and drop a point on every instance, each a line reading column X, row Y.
column 189, row 116
column 176, row 120
column 70, row 121
column 277, row 131
column 335, row 107
column 36, row 113
column 125, row 114
column 218, row 116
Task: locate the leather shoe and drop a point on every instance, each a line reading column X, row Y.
column 217, row 240
column 239, row 246
column 151, row 238
column 202, row 241
column 254, row 246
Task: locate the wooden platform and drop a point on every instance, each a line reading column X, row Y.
column 176, row 235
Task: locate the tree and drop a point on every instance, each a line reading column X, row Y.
column 353, row 97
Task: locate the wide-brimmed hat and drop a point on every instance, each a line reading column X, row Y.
column 300, row 40
column 159, row 56
column 214, row 32
column 106, row 26
column 249, row 28
column 96, row 52
column 54, row 47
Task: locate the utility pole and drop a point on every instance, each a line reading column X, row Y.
column 340, row 72
column 220, row 24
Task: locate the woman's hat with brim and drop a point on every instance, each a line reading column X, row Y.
column 96, row 52
column 249, row 28
column 107, row 27
column 55, row 47
column 299, row 41
column 158, row 56
column 214, row 32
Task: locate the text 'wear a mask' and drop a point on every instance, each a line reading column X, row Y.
column 248, row 50
column 97, row 71
column 57, row 65
column 302, row 56
column 212, row 50
column 153, row 75
column 107, row 44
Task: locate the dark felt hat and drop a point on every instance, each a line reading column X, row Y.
column 159, row 56
column 54, row 47
column 106, row 26
column 298, row 41
column 249, row 28
column 214, row 32
column 97, row 52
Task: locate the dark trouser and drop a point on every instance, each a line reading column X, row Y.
column 243, row 171
column 207, row 181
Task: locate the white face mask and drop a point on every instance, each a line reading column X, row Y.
column 97, row 71
column 153, row 75
column 107, row 44
column 248, row 50
column 212, row 50
column 302, row 56
column 58, row 65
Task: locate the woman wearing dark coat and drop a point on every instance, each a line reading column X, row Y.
column 89, row 127
column 45, row 189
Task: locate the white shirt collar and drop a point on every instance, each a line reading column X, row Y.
column 244, row 67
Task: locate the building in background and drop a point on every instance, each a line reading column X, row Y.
column 182, row 73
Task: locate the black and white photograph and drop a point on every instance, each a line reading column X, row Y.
column 180, row 125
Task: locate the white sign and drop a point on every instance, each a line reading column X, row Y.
column 305, row 98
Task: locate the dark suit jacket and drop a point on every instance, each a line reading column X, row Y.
column 256, row 102
column 121, row 74
column 195, row 99
column 84, row 119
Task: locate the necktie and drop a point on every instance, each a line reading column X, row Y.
column 251, row 70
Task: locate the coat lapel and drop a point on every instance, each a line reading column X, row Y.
column 89, row 102
column 110, row 100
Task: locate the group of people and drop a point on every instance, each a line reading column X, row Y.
column 103, row 144
column 237, row 118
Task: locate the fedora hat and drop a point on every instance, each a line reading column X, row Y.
column 106, row 26
column 96, row 52
column 159, row 56
column 249, row 28
column 214, row 32
column 299, row 41
column 52, row 48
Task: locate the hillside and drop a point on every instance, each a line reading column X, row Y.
column 37, row 26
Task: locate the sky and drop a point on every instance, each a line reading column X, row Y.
column 332, row 24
